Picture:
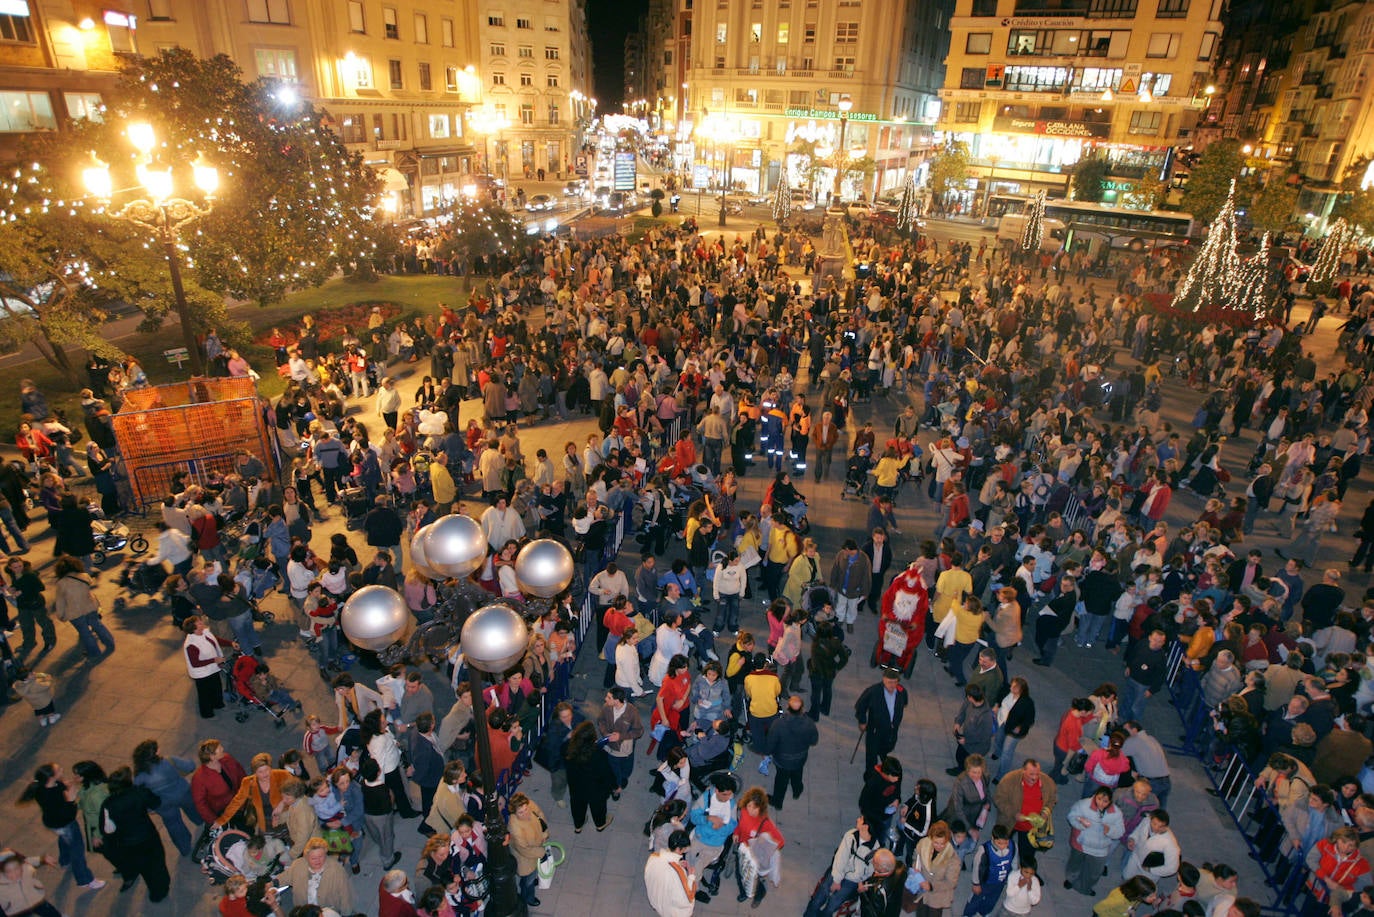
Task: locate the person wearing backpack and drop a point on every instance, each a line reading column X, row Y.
column 829, row 656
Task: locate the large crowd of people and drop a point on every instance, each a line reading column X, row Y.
column 1031, row 424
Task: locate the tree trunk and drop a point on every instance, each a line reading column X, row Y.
column 56, row 357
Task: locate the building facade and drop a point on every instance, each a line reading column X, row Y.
column 1033, row 86
column 791, row 79
column 536, row 69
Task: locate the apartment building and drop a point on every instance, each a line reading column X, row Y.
column 793, row 78
column 536, row 70
column 1033, row 86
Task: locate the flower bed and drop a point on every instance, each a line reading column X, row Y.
column 331, row 324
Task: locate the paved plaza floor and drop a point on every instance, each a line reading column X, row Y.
column 143, row 691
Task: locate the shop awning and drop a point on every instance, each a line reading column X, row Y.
column 392, row 180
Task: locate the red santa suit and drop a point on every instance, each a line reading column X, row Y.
column 905, row 605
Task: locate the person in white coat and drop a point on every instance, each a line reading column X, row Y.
column 627, row 664
column 669, row 642
column 1023, row 892
column 1154, row 851
column 501, row 523
column 669, row 881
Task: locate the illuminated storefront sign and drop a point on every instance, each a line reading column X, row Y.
column 817, row 114
column 1053, row 128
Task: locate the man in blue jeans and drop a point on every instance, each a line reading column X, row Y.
column 619, row 725
column 851, row 865
column 1147, row 665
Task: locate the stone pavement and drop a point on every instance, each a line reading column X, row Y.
column 143, row 692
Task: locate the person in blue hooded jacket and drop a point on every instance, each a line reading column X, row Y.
column 713, row 819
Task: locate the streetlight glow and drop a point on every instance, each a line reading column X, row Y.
column 205, row 176
column 141, row 136
column 96, row 178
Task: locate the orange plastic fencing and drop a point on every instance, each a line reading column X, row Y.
column 194, row 427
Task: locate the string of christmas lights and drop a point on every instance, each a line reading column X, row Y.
column 1211, row 279
column 1252, row 288
column 906, row 210
column 1033, row 232
column 1329, row 255
column 782, row 202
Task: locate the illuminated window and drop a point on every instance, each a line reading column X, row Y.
column 26, row 111
column 356, row 21
column 1144, row 122
column 86, row 105
column 120, row 27
column 276, row 63
column 784, row 32
column 438, row 126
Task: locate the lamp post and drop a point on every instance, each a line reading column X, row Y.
column 162, row 212
column 487, row 122
column 718, row 129
column 841, row 153
column 494, row 638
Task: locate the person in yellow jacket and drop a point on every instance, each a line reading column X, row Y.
column 805, row 570
column 886, row 472
column 445, row 490
column 950, row 589
column 783, row 547
column 969, row 618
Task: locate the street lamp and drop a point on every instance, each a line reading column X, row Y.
column 487, row 122
column 494, row 638
column 161, row 212
column 841, row 153
column 720, row 131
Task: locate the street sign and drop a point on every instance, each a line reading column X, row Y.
column 177, row 355
column 624, row 172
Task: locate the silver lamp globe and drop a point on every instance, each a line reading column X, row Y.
column 543, row 568
column 454, row 545
column 418, row 560
column 374, row 617
column 494, row 638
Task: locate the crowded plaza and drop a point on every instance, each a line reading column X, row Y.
column 970, row 585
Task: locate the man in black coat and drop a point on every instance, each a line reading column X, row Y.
column 879, row 711
column 427, row 761
column 384, row 528
column 789, row 742
column 878, row 550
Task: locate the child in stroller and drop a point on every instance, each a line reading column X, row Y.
column 236, row 854
column 856, row 483
column 256, row 686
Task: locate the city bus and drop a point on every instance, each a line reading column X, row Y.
column 1134, row 230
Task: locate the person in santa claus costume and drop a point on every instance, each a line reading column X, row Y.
column 903, row 622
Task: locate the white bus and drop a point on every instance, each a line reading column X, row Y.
column 1011, row 226
column 1134, row 230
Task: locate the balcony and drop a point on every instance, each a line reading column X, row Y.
column 840, row 74
column 390, row 144
column 1312, row 78
column 1324, row 92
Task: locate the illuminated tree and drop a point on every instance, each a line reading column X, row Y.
column 1212, row 179
column 1252, row 290
column 948, row 170
column 1212, row 278
column 481, row 229
column 1033, row 232
column 906, row 210
column 782, row 202
column 1088, row 176
column 1329, row 255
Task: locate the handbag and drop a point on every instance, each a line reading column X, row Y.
column 944, row 634
column 1076, row 763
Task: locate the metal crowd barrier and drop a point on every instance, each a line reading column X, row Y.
column 1256, row 819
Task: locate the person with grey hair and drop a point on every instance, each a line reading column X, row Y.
column 1222, row 680
column 394, row 895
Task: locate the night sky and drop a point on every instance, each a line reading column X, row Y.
column 608, row 22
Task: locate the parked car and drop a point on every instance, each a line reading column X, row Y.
column 539, row 202
column 575, row 188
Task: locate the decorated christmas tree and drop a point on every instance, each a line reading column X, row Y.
column 1212, row 279
column 1252, row 290
column 1033, row 233
column 906, row 210
column 782, row 202
column 1329, row 256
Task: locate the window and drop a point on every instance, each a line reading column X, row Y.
column 984, row 7
column 273, row 11
column 499, row 108
column 551, row 25
column 160, row 10
column 86, row 105
column 1172, row 9
column 809, row 32
column 353, row 129
column 978, row 43
column 438, row 127
column 1208, row 46
column 377, row 127
column 398, row 126
column 971, row 78
column 426, row 80
column 1111, row 9
column 394, row 69
column 797, row 97
column 967, row 112
column 497, row 79
column 421, row 29
column 26, row 111
column 720, row 61
column 524, row 24
column 497, row 49
column 551, row 81
column 277, row 63
column 553, row 112
column 1162, row 44
column 526, row 51
column 446, row 32
column 451, row 79
column 15, row 28
column 755, row 32
column 120, row 27
column 550, row 52
column 526, row 113
column 721, row 32
column 1159, row 84
column 526, row 79
column 497, row 20
column 1144, row 122
column 390, row 24
column 362, row 73
column 846, row 33
column 784, row 32
column 843, row 63
column 356, row 22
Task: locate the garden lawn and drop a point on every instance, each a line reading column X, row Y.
column 412, row 293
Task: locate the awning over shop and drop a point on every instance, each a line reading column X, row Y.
column 392, row 180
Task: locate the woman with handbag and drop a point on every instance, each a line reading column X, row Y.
column 939, row 865
column 529, row 832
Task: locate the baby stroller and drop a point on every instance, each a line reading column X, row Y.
column 258, row 578
column 856, row 475
column 217, row 852
column 253, row 686
column 113, row 536
column 355, row 504
column 138, row 579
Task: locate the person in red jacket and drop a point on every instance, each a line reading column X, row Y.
column 215, row 782
column 1068, row 741
column 394, row 896
column 1336, row 866
column 753, row 822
